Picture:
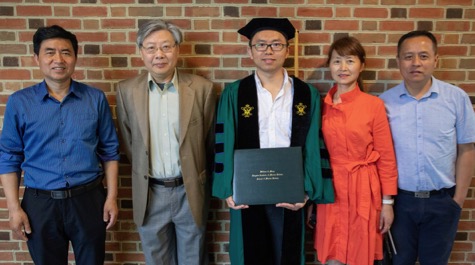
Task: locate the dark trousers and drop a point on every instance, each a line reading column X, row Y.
column 425, row 228
column 272, row 235
column 55, row 222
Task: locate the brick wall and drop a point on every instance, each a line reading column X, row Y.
column 106, row 30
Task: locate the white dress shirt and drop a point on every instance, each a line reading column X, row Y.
column 275, row 116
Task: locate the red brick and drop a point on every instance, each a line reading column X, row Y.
column 388, row 50
column 230, row 49
column 425, row 12
column 398, row 2
column 118, row 23
column 313, row 37
column 118, row 11
column 371, row 12
column 230, row 75
column 118, row 37
column 457, row 3
column 340, row 25
column 61, row 11
column 286, row 11
column 149, row 11
column 315, row 13
column 119, row 1
column 451, row 38
column 231, row 1
column 218, row 24
column 196, row 62
column 202, row 11
column 450, row 75
column 462, row 246
column 36, row 10
column 397, row 25
column 68, row 24
column 202, row 36
column 94, row 61
column 452, row 50
column 119, row 74
column 124, row 257
column 201, row 25
column 388, row 75
column 343, row 2
column 119, row 49
column 312, row 63
column 469, row 14
column 97, row 36
column 461, row 26
column 375, row 63
column 447, row 63
column 249, row 11
column 12, row 74
column 343, row 12
column 90, row 11
column 90, row 24
column 11, row 24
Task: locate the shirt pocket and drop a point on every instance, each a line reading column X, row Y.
column 84, row 126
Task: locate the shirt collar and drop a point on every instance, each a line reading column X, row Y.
column 287, row 80
column 44, row 94
column 152, row 85
column 434, row 88
column 345, row 97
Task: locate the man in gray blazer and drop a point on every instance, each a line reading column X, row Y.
column 166, row 120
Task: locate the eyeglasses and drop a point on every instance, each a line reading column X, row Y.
column 262, row 47
column 164, row 48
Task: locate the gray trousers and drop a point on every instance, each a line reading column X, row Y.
column 169, row 235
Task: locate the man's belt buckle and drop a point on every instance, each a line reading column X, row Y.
column 422, row 194
column 171, row 183
column 61, row 194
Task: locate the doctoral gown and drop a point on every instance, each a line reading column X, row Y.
column 318, row 186
column 358, row 138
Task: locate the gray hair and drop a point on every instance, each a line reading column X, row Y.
column 156, row 25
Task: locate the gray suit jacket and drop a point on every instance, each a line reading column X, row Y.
column 197, row 111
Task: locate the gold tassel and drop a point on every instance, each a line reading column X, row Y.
column 296, row 54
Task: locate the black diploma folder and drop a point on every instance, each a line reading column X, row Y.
column 268, row 176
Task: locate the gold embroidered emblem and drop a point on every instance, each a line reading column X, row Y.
column 301, row 109
column 247, row 111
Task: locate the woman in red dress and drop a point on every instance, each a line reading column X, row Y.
column 358, row 138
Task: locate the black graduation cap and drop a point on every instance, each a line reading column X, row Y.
column 281, row 25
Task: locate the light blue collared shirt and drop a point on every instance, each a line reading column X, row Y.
column 426, row 133
column 164, row 112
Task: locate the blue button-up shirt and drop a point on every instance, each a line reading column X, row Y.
column 57, row 144
column 426, row 133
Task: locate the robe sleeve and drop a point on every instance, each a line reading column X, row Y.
column 318, row 179
column 225, row 139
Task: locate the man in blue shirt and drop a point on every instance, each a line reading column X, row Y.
column 433, row 128
column 61, row 135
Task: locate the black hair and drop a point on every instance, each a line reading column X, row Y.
column 53, row 32
column 417, row 33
